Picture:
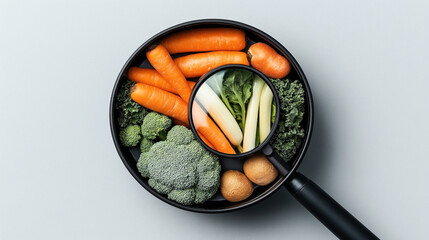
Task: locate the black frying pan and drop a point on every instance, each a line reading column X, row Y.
column 311, row 196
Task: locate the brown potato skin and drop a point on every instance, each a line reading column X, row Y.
column 235, row 186
column 260, row 170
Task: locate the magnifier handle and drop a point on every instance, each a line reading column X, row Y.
column 276, row 160
column 329, row 212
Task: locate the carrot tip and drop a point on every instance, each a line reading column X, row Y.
column 132, row 88
column 151, row 47
column 249, row 56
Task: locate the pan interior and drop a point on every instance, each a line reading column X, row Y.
column 217, row 203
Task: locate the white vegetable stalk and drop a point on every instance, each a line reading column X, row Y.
column 252, row 115
column 265, row 112
column 220, row 114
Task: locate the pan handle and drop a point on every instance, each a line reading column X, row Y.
column 337, row 219
column 329, row 212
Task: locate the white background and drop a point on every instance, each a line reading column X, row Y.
column 60, row 175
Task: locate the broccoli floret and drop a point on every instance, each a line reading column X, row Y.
column 130, row 136
column 202, row 196
column 180, row 135
column 181, row 168
column 142, row 165
column 155, row 125
column 145, row 145
column 185, row 197
column 159, row 187
column 129, row 112
column 207, row 168
column 180, row 173
column 289, row 133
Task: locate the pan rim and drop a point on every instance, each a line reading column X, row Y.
column 308, row 129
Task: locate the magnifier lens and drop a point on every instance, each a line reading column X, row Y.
column 233, row 111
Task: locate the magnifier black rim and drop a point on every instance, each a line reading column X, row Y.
column 131, row 167
column 275, row 97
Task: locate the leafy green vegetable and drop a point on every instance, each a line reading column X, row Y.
column 237, row 87
column 216, row 83
column 181, row 168
column 129, row 112
column 289, row 134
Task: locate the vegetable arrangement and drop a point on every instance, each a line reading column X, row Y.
column 220, row 114
column 240, row 103
column 234, row 114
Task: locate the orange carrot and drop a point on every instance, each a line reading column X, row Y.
column 149, row 77
column 161, row 60
column 160, row 101
column 152, row 77
column 206, row 141
column 205, row 39
column 191, row 84
column 173, row 106
column 178, row 122
column 195, row 65
column 205, row 125
column 268, row 61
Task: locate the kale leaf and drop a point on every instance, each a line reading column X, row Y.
column 129, row 112
column 289, row 133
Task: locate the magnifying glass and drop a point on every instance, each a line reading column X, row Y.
column 234, row 112
column 238, row 107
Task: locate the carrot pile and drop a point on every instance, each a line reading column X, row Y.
column 161, row 60
column 166, row 90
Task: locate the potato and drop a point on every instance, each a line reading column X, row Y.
column 260, row 170
column 235, row 186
